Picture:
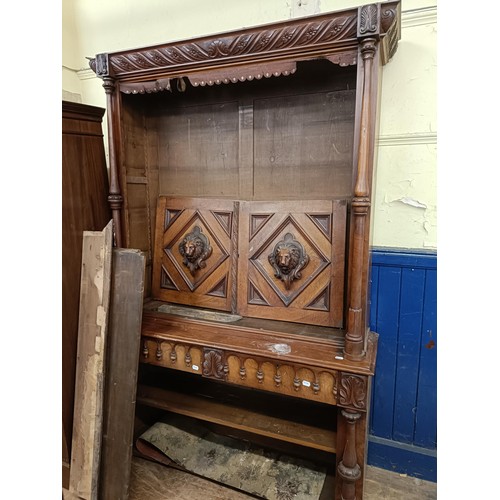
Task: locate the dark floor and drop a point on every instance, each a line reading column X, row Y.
column 151, row 481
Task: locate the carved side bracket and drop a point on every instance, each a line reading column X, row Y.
column 353, row 391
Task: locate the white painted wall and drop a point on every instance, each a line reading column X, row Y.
column 404, row 201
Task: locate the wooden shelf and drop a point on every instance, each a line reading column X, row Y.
column 238, row 418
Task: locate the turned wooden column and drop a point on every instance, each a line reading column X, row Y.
column 356, row 318
column 353, row 392
column 115, row 198
column 348, row 468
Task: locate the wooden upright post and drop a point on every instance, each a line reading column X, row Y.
column 368, row 32
column 115, row 198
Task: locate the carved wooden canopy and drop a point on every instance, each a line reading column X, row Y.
column 265, row 51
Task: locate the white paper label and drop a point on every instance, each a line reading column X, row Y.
column 306, row 383
column 196, row 367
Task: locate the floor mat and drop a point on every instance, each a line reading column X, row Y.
column 233, row 462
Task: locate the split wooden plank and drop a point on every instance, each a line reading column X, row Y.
column 123, row 347
column 92, row 332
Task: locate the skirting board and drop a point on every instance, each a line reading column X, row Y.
column 402, row 458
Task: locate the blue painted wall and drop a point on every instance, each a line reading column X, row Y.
column 403, row 424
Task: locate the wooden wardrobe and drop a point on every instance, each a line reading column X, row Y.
column 84, row 208
column 242, row 165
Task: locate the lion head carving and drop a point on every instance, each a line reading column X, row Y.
column 287, row 259
column 195, row 250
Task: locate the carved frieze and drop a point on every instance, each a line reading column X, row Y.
column 283, row 37
column 170, row 354
column 283, row 377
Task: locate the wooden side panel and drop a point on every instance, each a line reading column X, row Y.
column 89, row 386
column 122, row 368
column 195, row 254
column 291, row 265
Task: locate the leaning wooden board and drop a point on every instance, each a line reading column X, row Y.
column 124, row 338
column 92, row 333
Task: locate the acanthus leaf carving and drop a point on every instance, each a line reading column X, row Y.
column 353, row 391
column 214, row 364
column 368, row 23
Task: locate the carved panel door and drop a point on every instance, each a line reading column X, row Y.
column 292, row 261
column 194, row 262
